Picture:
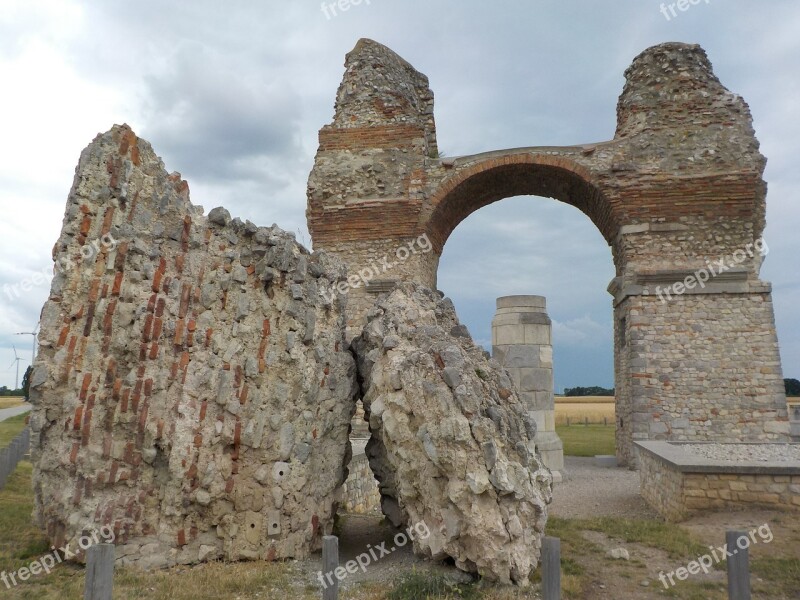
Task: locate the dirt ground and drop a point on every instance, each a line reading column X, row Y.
column 589, row 492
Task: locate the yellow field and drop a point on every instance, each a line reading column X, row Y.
column 10, row 402
column 584, row 399
column 577, row 409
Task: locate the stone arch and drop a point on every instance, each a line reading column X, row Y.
column 523, row 174
column 679, row 187
column 494, row 179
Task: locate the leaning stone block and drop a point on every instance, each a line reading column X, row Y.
column 163, row 384
column 459, row 458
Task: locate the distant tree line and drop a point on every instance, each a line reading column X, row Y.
column 23, row 391
column 588, row 391
column 792, row 390
column 4, row 391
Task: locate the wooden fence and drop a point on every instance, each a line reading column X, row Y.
column 586, row 421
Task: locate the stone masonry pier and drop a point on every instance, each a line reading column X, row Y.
column 522, row 343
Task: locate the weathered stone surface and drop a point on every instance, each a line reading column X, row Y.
column 678, row 190
column 451, row 444
column 192, row 389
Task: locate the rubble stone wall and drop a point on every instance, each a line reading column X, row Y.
column 193, row 390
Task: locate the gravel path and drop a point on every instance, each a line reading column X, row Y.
column 590, row 491
column 5, row 413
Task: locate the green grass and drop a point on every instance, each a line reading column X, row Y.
column 10, row 428
column 576, row 549
column 783, row 574
column 675, row 541
column 693, row 590
column 582, row 440
column 19, row 539
column 574, row 579
column 430, row 586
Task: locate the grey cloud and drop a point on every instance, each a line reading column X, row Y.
column 204, row 111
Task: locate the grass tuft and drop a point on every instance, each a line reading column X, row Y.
column 675, row 541
column 783, row 574
column 430, row 586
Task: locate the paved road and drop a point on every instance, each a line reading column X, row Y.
column 5, row 413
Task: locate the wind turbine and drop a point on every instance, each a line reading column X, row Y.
column 33, row 347
column 16, row 360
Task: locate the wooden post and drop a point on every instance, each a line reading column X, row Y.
column 14, row 453
column 567, row 421
column 4, row 461
column 738, row 566
column 585, row 421
column 330, row 562
column 99, row 572
column 605, row 421
column 551, row 568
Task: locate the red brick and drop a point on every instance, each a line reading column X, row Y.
column 62, row 338
column 86, row 428
column 158, row 326
column 87, row 381
column 186, row 291
column 178, row 339
column 73, row 455
column 159, row 274
column 117, row 284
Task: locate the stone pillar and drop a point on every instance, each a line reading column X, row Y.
column 521, row 342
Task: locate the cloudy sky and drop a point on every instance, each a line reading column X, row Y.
column 232, row 96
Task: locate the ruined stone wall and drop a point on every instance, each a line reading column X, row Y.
column 661, row 487
column 679, row 188
column 375, row 267
column 384, row 130
column 193, row 390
